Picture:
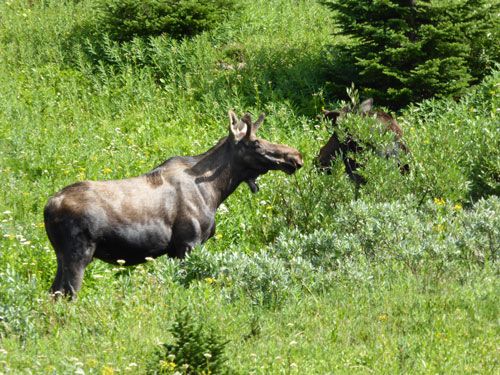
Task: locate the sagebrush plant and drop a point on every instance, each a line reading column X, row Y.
column 422, row 239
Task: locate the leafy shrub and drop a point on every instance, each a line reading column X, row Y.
column 124, row 20
column 196, row 350
column 405, row 51
column 264, row 279
column 455, row 144
column 17, row 305
column 437, row 233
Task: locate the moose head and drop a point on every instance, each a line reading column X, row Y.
column 256, row 154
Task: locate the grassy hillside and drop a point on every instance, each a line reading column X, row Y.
column 300, row 278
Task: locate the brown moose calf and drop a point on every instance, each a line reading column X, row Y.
column 335, row 148
column 166, row 211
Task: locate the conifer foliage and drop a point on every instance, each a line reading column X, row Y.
column 400, row 51
column 124, row 20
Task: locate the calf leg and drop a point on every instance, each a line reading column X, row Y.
column 351, row 166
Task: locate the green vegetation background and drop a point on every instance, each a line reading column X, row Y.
column 300, row 278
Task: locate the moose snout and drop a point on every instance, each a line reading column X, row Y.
column 295, row 159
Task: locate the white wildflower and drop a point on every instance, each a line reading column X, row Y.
column 223, row 209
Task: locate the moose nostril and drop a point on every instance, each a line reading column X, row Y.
column 296, row 160
column 299, row 160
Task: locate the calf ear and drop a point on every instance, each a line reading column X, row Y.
column 331, row 115
column 237, row 128
column 366, row 106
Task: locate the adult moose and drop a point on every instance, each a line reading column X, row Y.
column 166, row 211
column 335, row 148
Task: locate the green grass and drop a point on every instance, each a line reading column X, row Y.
column 300, row 278
column 404, row 324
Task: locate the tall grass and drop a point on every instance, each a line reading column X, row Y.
column 300, row 277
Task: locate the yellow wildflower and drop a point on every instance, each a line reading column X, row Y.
column 457, row 207
column 439, row 228
column 383, row 317
column 209, row 280
column 107, row 370
column 167, row 365
column 439, row 201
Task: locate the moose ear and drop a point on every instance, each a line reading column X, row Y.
column 238, row 129
column 331, row 115
column 259, row 122
column 366, row 106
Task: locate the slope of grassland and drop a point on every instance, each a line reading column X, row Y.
column 300, row 278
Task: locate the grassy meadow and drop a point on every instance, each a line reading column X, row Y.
column 301, row 277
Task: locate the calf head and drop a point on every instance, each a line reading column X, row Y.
column 256, row 156
column 334, row 147
column 364, row 109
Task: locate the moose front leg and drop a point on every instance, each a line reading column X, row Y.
column 189, row 233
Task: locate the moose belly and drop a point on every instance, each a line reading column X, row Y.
column 133, row 243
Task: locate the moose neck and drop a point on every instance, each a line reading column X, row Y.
column 218, row 173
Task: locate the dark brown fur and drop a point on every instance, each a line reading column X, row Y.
column 154, row 178
column 166, row 211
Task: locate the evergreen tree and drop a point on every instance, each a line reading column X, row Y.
column 401, row 51
column 124, row 20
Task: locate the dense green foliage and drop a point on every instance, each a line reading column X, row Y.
column 402, row 51
column 125, row 19
column 196, row 350
column 299, row 278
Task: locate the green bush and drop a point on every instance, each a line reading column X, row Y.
column 436, row 234
column 124, row 20
column 196, row 349
column 402, row 51
column 455, row 144
column 263, row 279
